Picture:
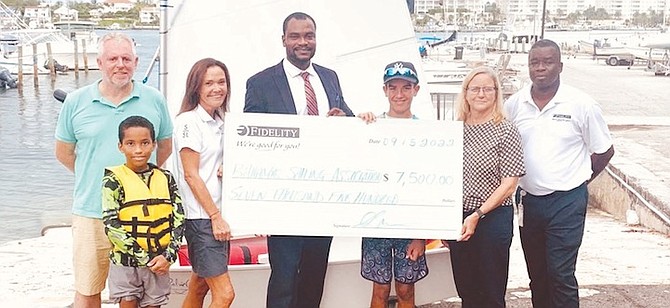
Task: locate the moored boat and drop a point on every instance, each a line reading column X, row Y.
column 62, row 47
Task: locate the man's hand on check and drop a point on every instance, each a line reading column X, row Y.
column 336, row 112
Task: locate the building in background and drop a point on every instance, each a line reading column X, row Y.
column 149, row 14
column 625, row 9
column 64, row 13
column 466, row 12
column 422, row 7
column 37, row 16
column 113, row 6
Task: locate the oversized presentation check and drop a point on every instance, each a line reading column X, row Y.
column 338, row 176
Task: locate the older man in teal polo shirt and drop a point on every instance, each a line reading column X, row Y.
column 87, row 142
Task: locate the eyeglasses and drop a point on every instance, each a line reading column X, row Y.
column 399, row 71
column 487, row 90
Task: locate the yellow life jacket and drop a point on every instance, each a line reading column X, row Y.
column 146, row 211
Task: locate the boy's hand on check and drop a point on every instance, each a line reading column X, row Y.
column 367, row 117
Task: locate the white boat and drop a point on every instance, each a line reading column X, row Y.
column 344, row 286
column 62, row 46
column 78, row 30
column 660, row 43
column 600, row 48
column 653, row 52
column 445, row 72
column 355, row 49
column 62, row 51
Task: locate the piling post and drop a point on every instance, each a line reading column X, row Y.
column 50, row 59
column 436, row 96
column 84, row 55
column 76, row 58
column 35, row 80
column 20, row 63
column 516, row 45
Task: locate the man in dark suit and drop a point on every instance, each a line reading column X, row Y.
column 297, row 86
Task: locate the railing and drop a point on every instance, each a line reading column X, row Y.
column 444, row 104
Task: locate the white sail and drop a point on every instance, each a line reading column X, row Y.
column 355, row 38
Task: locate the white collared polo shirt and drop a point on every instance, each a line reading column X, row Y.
column 198, row 131
column 558, row 141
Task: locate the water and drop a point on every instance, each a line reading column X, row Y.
column 37, row 189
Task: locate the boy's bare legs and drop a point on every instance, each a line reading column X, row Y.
column 128, row 304
column 222, row 291
column 132, row 304
column 380, row 295
column 83, row 301
column 197, row 290
column 405, row 294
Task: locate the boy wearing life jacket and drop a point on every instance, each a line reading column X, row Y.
column 143, row 218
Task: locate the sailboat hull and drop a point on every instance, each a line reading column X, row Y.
column 344, row 286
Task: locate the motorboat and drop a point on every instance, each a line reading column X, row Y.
column 62, row 47
column 78, row 30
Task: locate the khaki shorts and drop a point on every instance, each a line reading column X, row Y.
column 140, row 284
column 90, row 255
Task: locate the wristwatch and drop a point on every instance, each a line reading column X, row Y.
column 480, row 213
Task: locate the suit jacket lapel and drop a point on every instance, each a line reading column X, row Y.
column 284, row 90
column 331, row 91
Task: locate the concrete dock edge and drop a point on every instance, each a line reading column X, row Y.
column 619, row 192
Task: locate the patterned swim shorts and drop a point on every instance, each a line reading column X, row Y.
column 384, row 258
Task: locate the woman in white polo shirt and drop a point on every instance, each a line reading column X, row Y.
column 198, row 141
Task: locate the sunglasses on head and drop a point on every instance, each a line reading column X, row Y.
column 399, row 71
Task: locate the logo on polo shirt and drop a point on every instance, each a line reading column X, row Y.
column 268, row 131
column 562, row 117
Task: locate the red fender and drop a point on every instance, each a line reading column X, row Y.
column 246, row 254
column 239, row 254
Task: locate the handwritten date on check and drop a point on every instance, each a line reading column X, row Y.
column 338, row 176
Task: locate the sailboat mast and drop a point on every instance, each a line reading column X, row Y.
column 665, row 13
column 544, row 15
column 162, row 32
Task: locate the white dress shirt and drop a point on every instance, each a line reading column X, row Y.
column 297, row 85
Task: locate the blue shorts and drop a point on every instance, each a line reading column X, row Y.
column 384, row 258
column 208, row 256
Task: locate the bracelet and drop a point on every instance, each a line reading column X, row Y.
column 480, row 213
column 210, row 216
